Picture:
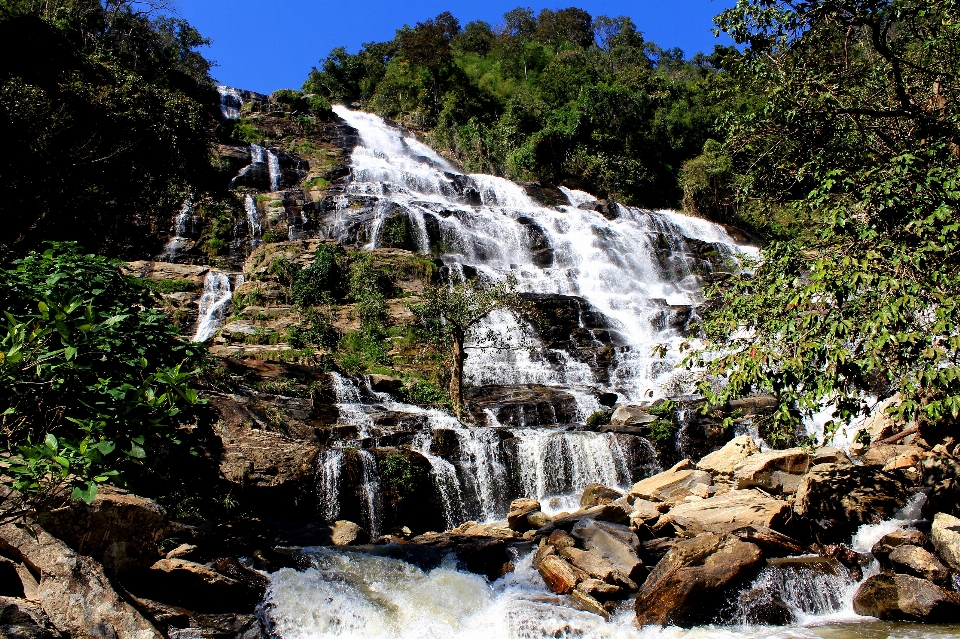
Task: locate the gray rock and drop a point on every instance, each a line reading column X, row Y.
column 538, row 519
column 905, row 598
column 22, row 619
column 616, row 544
column 777, row 471
column 903, row 537
column 585, row 602
column 596, row 566
column 631, row 415
column 945, row 536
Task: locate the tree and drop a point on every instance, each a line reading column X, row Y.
column 450, row 316
column 858, row 138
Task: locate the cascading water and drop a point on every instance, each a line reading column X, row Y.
column 181, row 228
column 214, row 304
column 230, row 102
column 372, row 491
column 254, row 222
column 262, row 159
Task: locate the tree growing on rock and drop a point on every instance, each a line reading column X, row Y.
column 450, row 316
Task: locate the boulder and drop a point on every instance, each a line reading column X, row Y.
column 538, row 519
column 916, row 561
column 384, row 383
column 559, row 575
column 224, row 586
column 694, row 580
column 74, row 590
column 733, row 509
column 616, row 544
column 723, row 461
column 597, row 567
column 902, row 537
column 597, row 495
column 519, row 510
column 777, row 471
column 905, row 598
column 892, row 455
column 759, row 607
column 183, row 551
column 829, row 455
column 631, row 415
column 485, row 556
column 585, row 602
column 755, row 405
column 945, row 537
column 645, row 512
column 600, row 590
column 541, row 553
column 120, row 530
column 670, row 485
column 347, row 533
column 22, row 619
column 561, row 539
column 941, row 479
column 771, row 542
column 836, row 499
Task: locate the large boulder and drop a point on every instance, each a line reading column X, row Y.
column 22, row 619
column 120, row 530
column 835, row 500
column 694, row 580
column 559, row 575
column 670, row 485
column 723, row 461
column 734, row 509
column 631, row 415
column 941, row 478
column 347, row 533
column 945, row 536
column 905, row 598
column 224, row 585
column 777, row 471
column 520, row 510
column 916, row 561
column 616, row 544
column 597, row 495
column 74, row 590
column 901, row 537
column 597, row 567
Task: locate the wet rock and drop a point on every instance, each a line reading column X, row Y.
column 941, row 479
column 755, row 405
column 522, row 405
column 723, row 461
column 596, row 566
column 600, row 590
column 902, row 537
column 561, row 539
column 485, row 556
column 559, row 575
column 735, row 508
column 385, row 383
column 694, row 579
column 945, row 536
column 607, row 399
column 22, row 619
column 74, row 590
column 538, row 519
column 836, row 500
column 542, row 553
column 777, row 471
column 180, row 623
column 597, row 495
column 631, row 415
column 916, row 561
column 520, row 509
column 757, row 607
column 905, row 598
column 616, row 544
column 120, row 530
column 585, row 602
column 670, row 485
column 225, row 586
column 347, row 533
column 771, row 542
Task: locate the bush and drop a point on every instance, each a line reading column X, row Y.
column 599, row 418
column 171, row 285
column 271, row 237
column 424, row 393
column 322, row 282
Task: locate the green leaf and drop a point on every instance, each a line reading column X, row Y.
column 51, row 442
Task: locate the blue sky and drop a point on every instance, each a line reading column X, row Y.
column 265, row 45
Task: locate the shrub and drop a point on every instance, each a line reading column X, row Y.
column 599, row 418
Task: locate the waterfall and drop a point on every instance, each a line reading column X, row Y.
column 214, row 304
column 230, row 102
column 273, row 166
column 445, row 480
column 372, row 491
column 329, row 465
column 633, row 270
column 254, row 222
column 181, row 227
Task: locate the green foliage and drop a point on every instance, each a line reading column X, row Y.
column 396, row 233
column 323, row 281
column 399, row 473
column 239, row 131
column 599, row 418
column 424, row 393
column 662, row 431
column 551, row 97
column 318, row 182
column 316, row 329
column 857, row 132
column 271, row 237
column 82, row 83
column 171, row 285
column 92, row 380
column 253, row 297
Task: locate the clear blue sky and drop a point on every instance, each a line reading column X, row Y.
column 265, row 45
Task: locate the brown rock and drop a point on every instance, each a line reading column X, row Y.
column 525, row 503
column 561, row 539
column 616, row 544
column 597, row 495
column 735, row 508
column 723, row 461
column 559, row 575
column 585, row 602
column 73, row 590
column 945, row 536
column 22, row 619
column 600, row 590
column 829, row 455
column 347, row 533
column 596, row 566
column 542, row 553
column 777, row 471
column 916, row 561
column 538, row 519
column 645, row 512
column 120, row 530
column 183, row 551
column 520, row 509
column 902, row 537
column 905, row 598
column 225, row 587
column 670, row 485
column 693, row 580
column 384, row 383
column 631, row 415
column 771, row 542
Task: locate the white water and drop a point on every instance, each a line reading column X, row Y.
column 230, row 102
column 215, row 303
column 181, row 225
column 254, row 222
column 262, row 157
column 628, row 268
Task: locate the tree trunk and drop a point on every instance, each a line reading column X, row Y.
column 456, row 375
